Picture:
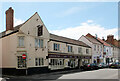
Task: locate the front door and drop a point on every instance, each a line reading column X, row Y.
column 21, row 63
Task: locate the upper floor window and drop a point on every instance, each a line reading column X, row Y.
column 38, row 42
column 98, row 47
column 70, row 49
column 87, row 51
column 21, row 41
column 95, row 47
column 56, row 47
column 79, row 50
column 101, row 48
column 40, row 30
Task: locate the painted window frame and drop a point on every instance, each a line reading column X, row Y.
column 21, row 41
column 56, row 47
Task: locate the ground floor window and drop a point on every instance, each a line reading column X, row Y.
column 71, row 63
column 85, row 61
column 56, row 62
column 39, row 61
column 21, row 62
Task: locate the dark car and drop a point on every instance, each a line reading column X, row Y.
column 115, row 65
column 85, row 67
column 93, row 66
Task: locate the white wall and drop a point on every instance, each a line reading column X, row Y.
column 64, row 48
column 96, row 52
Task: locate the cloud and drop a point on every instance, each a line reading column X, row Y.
column 17, row 22
column 86, row 27
column 90, row 21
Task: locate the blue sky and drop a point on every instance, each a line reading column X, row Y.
column 58, row 16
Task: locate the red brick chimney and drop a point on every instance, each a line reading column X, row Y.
column 110, row 39
column 9, row 19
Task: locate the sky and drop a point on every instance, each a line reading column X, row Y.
column 68, row 19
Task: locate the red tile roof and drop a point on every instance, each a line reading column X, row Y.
column 104, row 43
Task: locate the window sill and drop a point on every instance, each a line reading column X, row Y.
column 57, row 50
column 21, row 47
column 70, row 52
column 39, row 47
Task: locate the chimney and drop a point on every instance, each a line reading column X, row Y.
column 9, row 19
column 103, row 39
column 110, row 39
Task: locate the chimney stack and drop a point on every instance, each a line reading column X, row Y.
column 9, row 19
column 103, row 39
column 110, row 39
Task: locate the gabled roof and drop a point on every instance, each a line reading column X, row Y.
column 97, row 39
column 15, row 29
column 94, row 41
column 67, row 40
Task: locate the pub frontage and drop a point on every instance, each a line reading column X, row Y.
column 66, row 61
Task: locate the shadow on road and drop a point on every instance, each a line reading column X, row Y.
column 52, row 76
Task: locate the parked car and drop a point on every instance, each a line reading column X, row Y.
column 85, row 67
column 115, row 65
column 111, row 63
column 102, row 65
column 93, row 66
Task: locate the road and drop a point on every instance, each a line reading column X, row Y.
column 72, row 74
column 96, row 74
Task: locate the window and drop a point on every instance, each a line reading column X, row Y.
column 39, row 61
column 54, row 62
column 87, row 51
column 21, row 41
column 41, row 43
column 101, row 48
column 40, row 30
column 98, row 47
column 21, row 62
column 95, row 47
column 36, row 61
column 38, row 42
column 70, row 49
column 56, row 47
column 79, row 50
column 42, row 61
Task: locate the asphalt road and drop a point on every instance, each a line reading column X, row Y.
column 70, row 75
column 96, row 74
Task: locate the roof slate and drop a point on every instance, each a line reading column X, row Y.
column 16, row 28
column 67, row 40
column 94, row 41
column 104, row 43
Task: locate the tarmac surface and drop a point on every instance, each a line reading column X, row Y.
column 70, row 75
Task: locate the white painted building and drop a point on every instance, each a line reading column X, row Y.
column 97, row 48
column 44, row 51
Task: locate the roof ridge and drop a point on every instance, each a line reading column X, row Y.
column 68, row 40
column 65, row 37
